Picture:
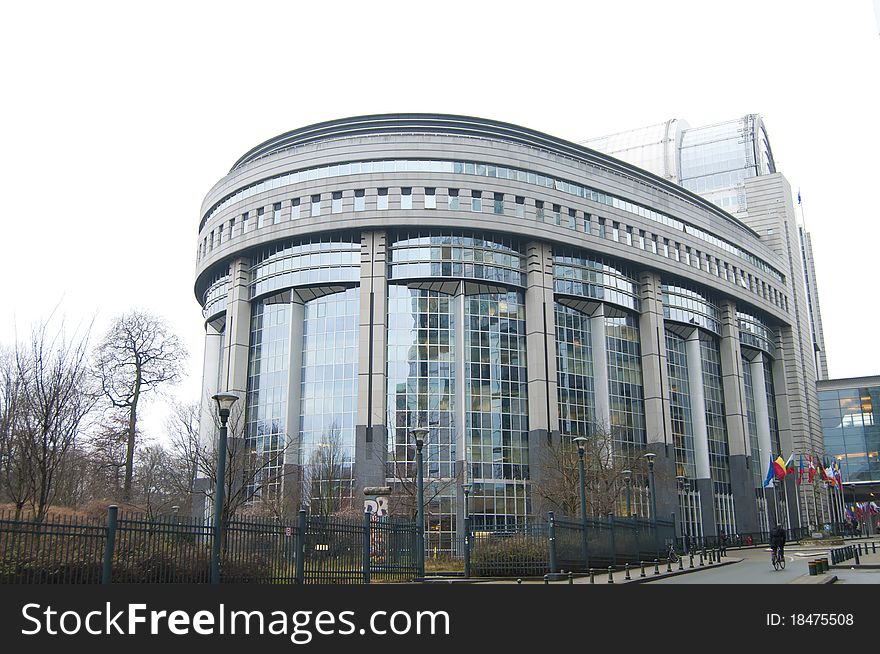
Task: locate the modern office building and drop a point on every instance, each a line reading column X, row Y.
column 850, row 409
column 507, row 290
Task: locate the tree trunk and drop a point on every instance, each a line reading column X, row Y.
column 132, row 423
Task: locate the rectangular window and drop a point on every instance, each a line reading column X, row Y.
column 557, row 214
column 231, row 227
column 430, row 198
column 520, row 207
column 211, row 241
column 406, row 197
column 628, row 235
column 294, row 209
column 316, row 205
column 359, row 200
column 276, row 213
column 244, row 222
column 476, row 201
column 499, row 203
column 539, row 210
column 601, row 228
column 615, row 232
column 220, row 234
column 336, row 202
column 687, row 255
column 453, row 199
column 641, row 240
column 587, row 222
column 259, row 217
column 382, row 199
column 572, row 219
column 665, row 250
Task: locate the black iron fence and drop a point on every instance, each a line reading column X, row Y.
column 531, row 550
column 169, row 549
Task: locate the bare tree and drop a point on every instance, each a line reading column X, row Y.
column 250, row 476
column 139, row 354
column 13, row 461
column 605, row 463
column 183, row 428
column 327, row 485
column 55, row 400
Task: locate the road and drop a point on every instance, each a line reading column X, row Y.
column 754, row 569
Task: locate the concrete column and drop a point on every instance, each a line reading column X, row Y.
column 292, row 455
column 762, row 414
column 207, row 426
column 599, row 345
column 461, row 435
column 739, row 447
column 371, row 434
column 703, row 481
column 234, row 370
column 655, row 378
column 543, row 398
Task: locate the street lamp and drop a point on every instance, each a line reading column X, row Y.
column 419, row 435
column 650, row 456
column 224, row 406
column 466, row 489
column 627, row 480
column 683, row 488
column 581, row 441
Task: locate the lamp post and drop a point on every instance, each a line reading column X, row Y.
column 683, row 489
column 466, row 489
column 653, row 490
column 627, row 480
column 224, row 405
column 581, row 441
column 419, row 434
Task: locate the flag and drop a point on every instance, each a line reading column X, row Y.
column 769, row 479
column 829, row 476
column 779, row 467
column 799, row 196
column 789, row 465
column 800, row 470
column 837, row 473
column 812, row 471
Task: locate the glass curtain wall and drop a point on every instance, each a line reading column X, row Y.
column 328, row 393
column 496, row 409
column 719, row 463
column 266, row 414
column 758, row 457
column 421, row 393
column 574, row 372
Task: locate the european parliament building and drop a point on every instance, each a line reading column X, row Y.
column 508, row 290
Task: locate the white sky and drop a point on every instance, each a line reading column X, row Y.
column 117, row 119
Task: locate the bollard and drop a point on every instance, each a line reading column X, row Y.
column 551, row 537
column 824, row 565
column 668, row 565
column 610, row 575
column 546, row 579
column 642, row 573
column 813, row 567
column 570, row 578
column 856, row 553
column 592, row 578
column 680, row 563
column 873, row 547
column 701, row 559
column 519, row 580
column 109, row 544
column 626, row 567
column 691, row 556
column 656, row 567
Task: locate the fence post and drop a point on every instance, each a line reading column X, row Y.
column 110, row 543
column 366, row 548
column 551, row 540
column 301, row 548
column 467, row 547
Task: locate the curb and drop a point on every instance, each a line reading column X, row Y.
column 676, row 573
column 807, row 580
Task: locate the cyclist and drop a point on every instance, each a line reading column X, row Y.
column 777, row 541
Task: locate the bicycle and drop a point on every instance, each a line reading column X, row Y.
column 777, row 558
column 671, row 554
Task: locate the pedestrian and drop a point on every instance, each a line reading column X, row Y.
column 722, row 541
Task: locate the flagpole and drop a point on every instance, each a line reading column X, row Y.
column 797, row 499
column 787, row 512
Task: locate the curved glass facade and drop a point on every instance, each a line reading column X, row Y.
column 316, row 261
column 755, row 332
column 625, row 390
column 496, row 408
column 215, row 298
column 266, row 436
column 458, row 256
column 689, row 306
column 596, row 279
column 716, row 425
column 574, row 372
column 421, row 393
column 328, row 400
column 680, row 405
